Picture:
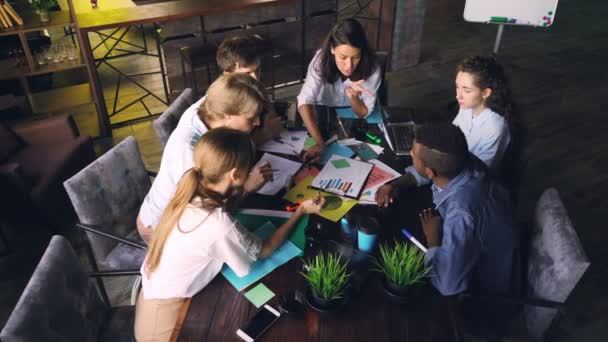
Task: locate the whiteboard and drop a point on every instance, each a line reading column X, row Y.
column 511, row 12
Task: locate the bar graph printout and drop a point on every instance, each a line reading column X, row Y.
column 343, row 176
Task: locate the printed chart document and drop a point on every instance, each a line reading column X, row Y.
column 381, row 174
column 289, row 142
column 262, row 267
column 343, row 176
column 285, row 169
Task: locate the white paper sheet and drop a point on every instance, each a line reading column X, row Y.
column 286, row 169
column 290, row 142
column 343, row 176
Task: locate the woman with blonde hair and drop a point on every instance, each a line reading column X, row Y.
column 197, row 233
column 233, row 100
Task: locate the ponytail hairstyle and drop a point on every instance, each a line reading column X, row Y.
column 487, row 73
column 233, row 94
column 349, row 32
column 217, row 152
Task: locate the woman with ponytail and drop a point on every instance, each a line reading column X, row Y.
column 233, row 100
column 197, row 233
column 486, row 115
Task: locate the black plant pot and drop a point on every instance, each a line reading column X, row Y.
column 326, row 305
column 399, row 294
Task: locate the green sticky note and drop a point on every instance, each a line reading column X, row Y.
column 340, row 163
column 309, row 142
column 259, row 295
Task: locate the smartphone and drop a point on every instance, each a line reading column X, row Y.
column 258, row 324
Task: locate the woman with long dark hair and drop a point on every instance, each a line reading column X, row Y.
column 342, row 73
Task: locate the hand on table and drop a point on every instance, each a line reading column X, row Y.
column 258, row 177
column 312, row 206
column 386, row 195
column 431, row 226
column 313, row 154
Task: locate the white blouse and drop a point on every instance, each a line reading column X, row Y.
column 316, row 91
column 191, row 260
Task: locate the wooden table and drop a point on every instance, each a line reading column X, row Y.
column 100, row 19
column 219, row 310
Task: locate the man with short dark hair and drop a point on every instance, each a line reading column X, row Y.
column 472, row 242
column 240, row 54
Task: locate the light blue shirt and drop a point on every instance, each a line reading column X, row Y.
column 178, row 157
column 487, row 137
column 478, row 246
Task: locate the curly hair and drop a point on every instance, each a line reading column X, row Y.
column 487, row 73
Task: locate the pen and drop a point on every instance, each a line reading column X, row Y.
column 273, row 170
column 414, row 240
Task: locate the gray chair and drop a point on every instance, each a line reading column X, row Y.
column 62, row 303
column 107, row 195
column 556, row 263
column 166, row 123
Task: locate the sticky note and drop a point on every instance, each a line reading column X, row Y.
column 335, row 149
column 340, row 163
column 259, row 295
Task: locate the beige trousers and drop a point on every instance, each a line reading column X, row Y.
column 155, row 319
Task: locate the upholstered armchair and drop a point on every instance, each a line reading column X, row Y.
column 107, row 195
column 166, row 123
column 35, row 158
column 62, row 303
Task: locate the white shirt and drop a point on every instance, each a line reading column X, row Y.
column 487, row 137
column 316, row 91
column 191, row 260
column 178, row 157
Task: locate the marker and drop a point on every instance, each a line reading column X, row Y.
column 373, row 138
column 499, row 19
column 414, row 240
column 273, row 170
column 293, row 207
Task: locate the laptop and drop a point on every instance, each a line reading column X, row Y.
column 398, row 130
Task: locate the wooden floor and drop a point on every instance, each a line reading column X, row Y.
column 559, row 80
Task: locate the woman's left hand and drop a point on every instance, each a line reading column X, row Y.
column 258, row 177
column 356, row 88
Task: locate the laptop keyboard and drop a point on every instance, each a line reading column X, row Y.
column 403, row 138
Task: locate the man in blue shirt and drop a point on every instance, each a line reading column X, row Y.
column 472, row 242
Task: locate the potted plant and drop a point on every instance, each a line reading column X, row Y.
column 327, row 279
column 42, row 8
column 403, row 268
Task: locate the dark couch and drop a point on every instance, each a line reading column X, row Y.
column 35, row 159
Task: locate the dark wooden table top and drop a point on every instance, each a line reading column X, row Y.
column 219, row 310
column 165, row 11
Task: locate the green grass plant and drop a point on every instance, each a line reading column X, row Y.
column 326, row 275
column 402, row 264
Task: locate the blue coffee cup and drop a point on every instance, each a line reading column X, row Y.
column 367, row 234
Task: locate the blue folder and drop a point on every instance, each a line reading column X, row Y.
column 347, row 113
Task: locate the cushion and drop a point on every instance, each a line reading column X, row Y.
column 557, row 259
column 10, row 142
column 125, row 257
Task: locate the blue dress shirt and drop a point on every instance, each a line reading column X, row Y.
column 479, row 235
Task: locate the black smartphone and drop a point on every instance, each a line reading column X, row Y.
column 258, row 324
